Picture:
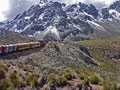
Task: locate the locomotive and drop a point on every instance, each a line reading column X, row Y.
column 4, row 49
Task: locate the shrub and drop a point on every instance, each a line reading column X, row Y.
column 6, row 84
column 62, row 81
column 3, row 70
column 108, row 85
column 84, row 74
column 15, row 79
column 95, row 78
column 86, row 81
column 32, row 80
column 2, row 73
column 69, row 74
column 42, row 81
column 114, row 86
column 3, row 66
column 53, row 79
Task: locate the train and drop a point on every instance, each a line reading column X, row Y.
column 4, row 49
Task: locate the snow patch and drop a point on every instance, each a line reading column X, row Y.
column 27, row 26
column 27, row 17
column 14, row 28
column 89, row 15
column 95, row 25
column 53, row 30
column 41, row 16
column 115, row 14
column 50, row 29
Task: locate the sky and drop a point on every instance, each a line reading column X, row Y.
column 10, row 8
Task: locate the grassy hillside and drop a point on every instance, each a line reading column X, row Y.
column 84, row 57
column 107, row 53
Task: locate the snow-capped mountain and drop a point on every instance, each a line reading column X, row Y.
column 58, row 21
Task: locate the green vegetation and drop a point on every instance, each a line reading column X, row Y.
column 109, row 85
column 103, row 43
column 6, row 84
column 53, row 79
column 62, row 81
column 2, row 73
column 4, row 67
column 69, row 74
column 95, row 79
column 15, row 79
column 84, row 74
column 3, row 70
column 105, row 52
column 32, row 80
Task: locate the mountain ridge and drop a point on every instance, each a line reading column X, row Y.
column 73, row 21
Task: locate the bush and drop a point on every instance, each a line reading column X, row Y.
column 3, row 70
column 53, row 79
column 2, row 73
column 6, row 84
column 69, row 74
column 95, row 78
column 86, row 81
column 3, row 66
column 114, row 86
column 15, row 79
column 42, row 81
column 84, row 75
column 62, row 81
column 32, row 80
column 108, row 85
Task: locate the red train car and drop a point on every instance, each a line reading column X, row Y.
column 0, row 49
column 4, row 49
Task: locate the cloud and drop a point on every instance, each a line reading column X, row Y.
column 100, row 3
column 18, row 6
column 97, row 3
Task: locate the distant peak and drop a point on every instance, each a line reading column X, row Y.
column 43, row 1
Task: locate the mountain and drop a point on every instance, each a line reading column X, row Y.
column 58, row 21
column 9, row 37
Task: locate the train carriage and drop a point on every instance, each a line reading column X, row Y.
column 11, row 48
column 34, row 44
column 22, row 46
column 4, row 49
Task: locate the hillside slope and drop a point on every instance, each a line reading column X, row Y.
column 9, row 37
column 101, row 56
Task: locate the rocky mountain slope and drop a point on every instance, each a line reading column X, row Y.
column 101, row 56
column 9, row 37
column 58, row 21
